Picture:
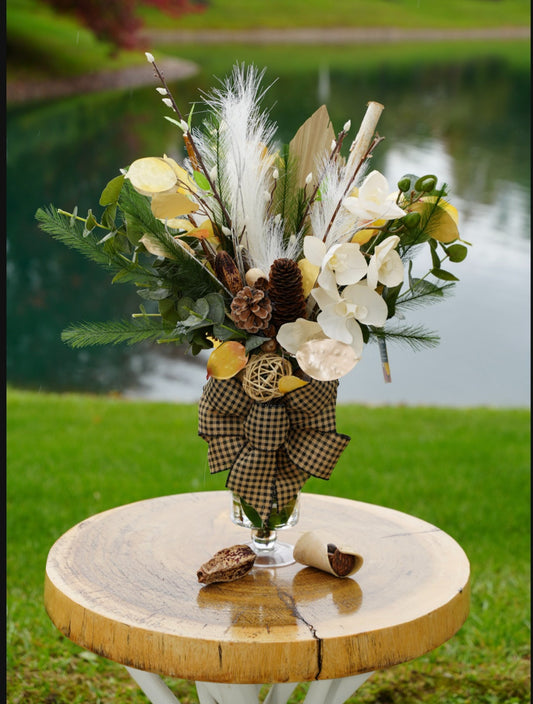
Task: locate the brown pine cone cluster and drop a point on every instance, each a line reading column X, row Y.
column 286, row 292
column 251, row 309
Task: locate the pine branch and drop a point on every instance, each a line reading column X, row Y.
column 114, row 332
column 423, row 293
column 72, row 234
column 416, row 337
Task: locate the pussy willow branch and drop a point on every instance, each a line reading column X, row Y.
column 193, row 145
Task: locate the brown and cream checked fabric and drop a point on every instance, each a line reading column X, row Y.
column 270, row 449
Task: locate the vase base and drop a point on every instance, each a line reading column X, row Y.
column 280, row 555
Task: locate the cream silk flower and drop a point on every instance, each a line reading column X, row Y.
column 340, row 314
column 341, row 265
column 373, row 201
column 385, row 264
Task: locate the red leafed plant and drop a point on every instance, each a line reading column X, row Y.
column 118, row 22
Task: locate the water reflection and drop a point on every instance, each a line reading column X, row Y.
column 468, row 123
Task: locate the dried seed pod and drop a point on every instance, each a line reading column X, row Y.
column 342, row 563
column 227, row 272
column 314, row 550
column 227, row 565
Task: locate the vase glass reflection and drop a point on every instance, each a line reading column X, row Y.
column 264, row 540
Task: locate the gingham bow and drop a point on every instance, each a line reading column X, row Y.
column 270, row 449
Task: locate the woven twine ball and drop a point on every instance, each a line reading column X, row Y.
column 262, row 374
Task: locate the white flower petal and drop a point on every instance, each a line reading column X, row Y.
column 326, row 280
column 325, row 297
column 314, row 250
column 334, row 325
column 291, row 336
column 355, row 331
column 371, row 307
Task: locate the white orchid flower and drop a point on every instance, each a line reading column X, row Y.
column 341, row 265
column 292, row 336
column 373, row 200
column 385, row 264
column 340, row 315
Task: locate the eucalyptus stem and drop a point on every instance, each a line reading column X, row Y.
column 84, row 220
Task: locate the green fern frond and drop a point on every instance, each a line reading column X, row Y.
column 415, row 336
column 114, row 332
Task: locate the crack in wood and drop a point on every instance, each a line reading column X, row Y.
column 288, row 600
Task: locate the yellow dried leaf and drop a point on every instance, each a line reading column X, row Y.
column 448, row 207
column 171, row 205
column 180, row 224
column 290, row 383
column 185, row 182
column 226, row 360
column 442, row 225
column 151, row 175
column 309, row 275
column 153, row 245
column 363, row 236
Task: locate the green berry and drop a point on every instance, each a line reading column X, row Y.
column 404, row 184
column 426, row 184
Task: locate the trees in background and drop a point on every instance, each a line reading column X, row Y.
column 117, row 21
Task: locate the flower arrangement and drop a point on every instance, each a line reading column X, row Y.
column 298, row 252
column 285, row 260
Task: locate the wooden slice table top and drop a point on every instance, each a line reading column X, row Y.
column 123, row 584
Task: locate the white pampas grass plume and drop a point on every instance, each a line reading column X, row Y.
column 238, row 143
column 330, row 221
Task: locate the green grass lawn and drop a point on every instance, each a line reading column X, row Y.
column 411, row 14
column 467, row 471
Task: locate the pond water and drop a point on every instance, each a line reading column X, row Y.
column 468, row 123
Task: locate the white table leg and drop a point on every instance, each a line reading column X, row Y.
column 334, row 691
column 219, row 693
column 153, row 686
column 280, row 692
column 319, row 692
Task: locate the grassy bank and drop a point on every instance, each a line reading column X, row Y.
column 70, row 456
column 43, row 43
column 409, row 14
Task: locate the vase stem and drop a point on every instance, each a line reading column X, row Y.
column 264, row 539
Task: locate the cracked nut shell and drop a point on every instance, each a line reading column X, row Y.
column 227, row 565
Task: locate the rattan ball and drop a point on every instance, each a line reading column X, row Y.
column 262, row 374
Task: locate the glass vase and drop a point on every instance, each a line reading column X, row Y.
column 264, row 540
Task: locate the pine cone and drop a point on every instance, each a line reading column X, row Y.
column 251, row 309
column 286, row 292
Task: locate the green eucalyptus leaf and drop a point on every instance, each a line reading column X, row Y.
column 184, row 307
column 444, row 275
column 111, row 192
column 217, row 311
column 91, row 221
column 167, row 309
column 253, row 342
column 435, row 259
column 109, row 215
column 153, row 294
column 225, row 332
column 201, row 181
